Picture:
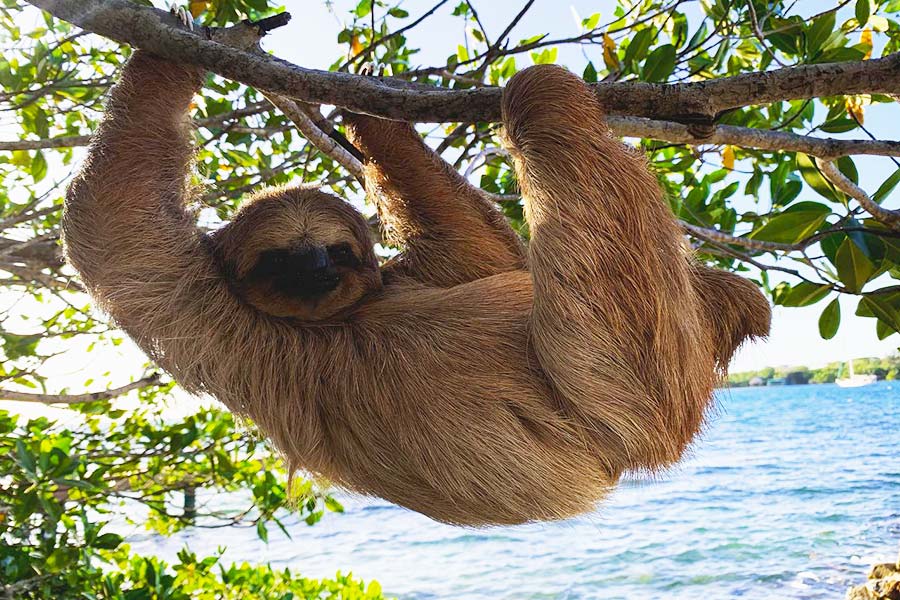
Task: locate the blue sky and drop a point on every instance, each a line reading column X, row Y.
column 310, row 40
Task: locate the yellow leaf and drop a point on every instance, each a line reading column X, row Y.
column 197, row 7
column 609, row 53
column 355, row 46
column 856, row 106
column 728, row 158
column 865, row 38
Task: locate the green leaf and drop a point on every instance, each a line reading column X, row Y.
column 830, row 319
column 846, row 166
column 38, row 166
column 660, row 64
column 804, row 293
column 545, row 57
column 884, row 306
column 810, row 173
column 638, row 46
column 261, row 530
column 26, row 458
column 887, row 187
column 839, row 125
column 863, row 11
column 590, row 73
column 363, row 8
column 833, row 55
column 591, row 22
column 374, row 590
column 794, row 224
column 818, row 32
column 108, row 541
column 883, row 330
column 854, row 268
column 333, row 505
column 787, row 193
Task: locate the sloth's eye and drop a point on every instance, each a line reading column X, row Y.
column 342, row 254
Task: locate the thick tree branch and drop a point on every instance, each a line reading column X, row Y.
column 697, row 103
column 78, row 398
column 667, row 131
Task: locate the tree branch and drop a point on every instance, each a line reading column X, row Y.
column 890, row 218
column 318, row 138
column 380, row 41
column 714, row 235
column 747, row 137
column 696, row 103
column 78, row 398
column 27, row 215
column 71, row 141
column 667, row 131
column 67, row 141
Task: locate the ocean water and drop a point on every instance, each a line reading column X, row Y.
column 791, row 493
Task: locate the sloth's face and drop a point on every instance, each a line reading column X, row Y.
column 300, row 254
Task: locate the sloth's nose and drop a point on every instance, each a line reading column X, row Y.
column 315, row 271
column 312, row 259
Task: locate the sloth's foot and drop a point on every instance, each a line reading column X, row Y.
column 371, row 69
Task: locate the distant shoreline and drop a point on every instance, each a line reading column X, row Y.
column 887, row 368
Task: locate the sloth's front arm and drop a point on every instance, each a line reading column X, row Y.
column 136, row 247
column 451, row 231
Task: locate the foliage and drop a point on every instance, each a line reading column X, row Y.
column 66, row 488
column 884, row 368
column 68, row 495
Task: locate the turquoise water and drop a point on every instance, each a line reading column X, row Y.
column 792, row 493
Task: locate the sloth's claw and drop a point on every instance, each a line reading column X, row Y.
column 183, row 15
column 371, row 69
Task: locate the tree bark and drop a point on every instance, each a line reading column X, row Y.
column 697, row 104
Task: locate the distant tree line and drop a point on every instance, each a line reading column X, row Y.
column 883, row 368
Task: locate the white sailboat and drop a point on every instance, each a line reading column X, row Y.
column 855, row 380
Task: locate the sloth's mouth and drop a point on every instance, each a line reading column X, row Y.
column 307, row 285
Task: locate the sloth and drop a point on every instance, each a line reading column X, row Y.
column 472, row 378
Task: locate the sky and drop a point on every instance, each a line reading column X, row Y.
column 310, row 40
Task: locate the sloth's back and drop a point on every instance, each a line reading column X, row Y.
column 446, row 411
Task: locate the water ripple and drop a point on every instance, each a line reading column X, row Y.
column 791, row 494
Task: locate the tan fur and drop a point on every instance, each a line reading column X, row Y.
column 467, row 380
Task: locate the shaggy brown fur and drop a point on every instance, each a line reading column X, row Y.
column 469, row 380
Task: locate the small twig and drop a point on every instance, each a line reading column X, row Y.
column 843, row 183
column 67, row 141
column 759, row 34
column 487, row 152
column 725, row 238
column 78, row 398
column 321, row 140
column 371, row 47
column 25, row 216
column 747, row 137
column 478, row 20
